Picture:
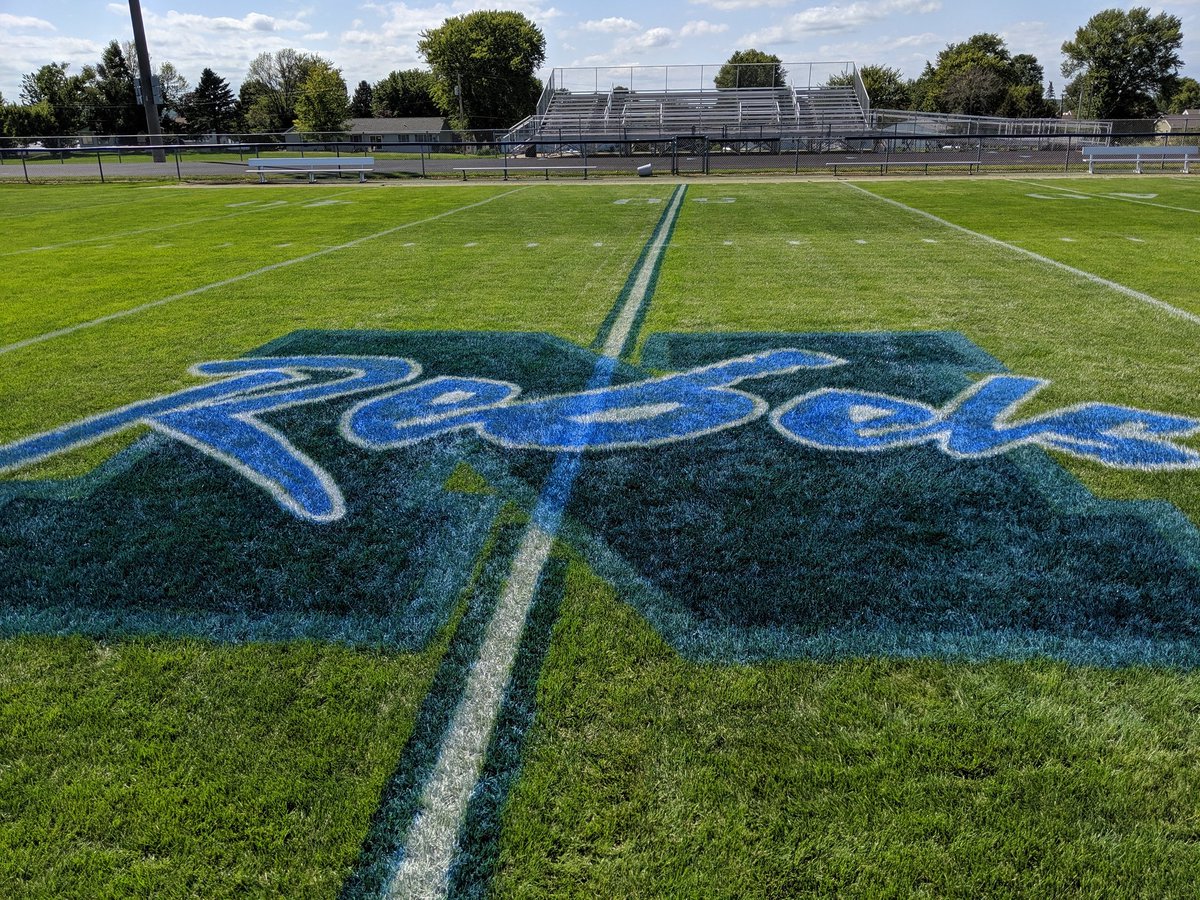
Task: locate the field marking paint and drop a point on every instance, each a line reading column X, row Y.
column 532, row 244
column 1136, row 240
column 151, row 229
column 1123, row 198
column 1045, row 260
column 263, row 270
column 433, row 834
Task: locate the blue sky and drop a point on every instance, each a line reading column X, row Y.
column 369, row 39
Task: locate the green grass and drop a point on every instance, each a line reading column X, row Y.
column 652, row 777
column 171, row 769
column 180, row 768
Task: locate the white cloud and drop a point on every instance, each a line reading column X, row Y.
column 700, row 28
column 818, row 20
column 8, row 20
column 611, row 25
column 731, row 5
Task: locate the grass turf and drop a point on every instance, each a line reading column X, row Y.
column 644, row 774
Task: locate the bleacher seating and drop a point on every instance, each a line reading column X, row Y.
column 782, row 111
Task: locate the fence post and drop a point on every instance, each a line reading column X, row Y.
column 25, row 168
column 1067, row 156
column 178, row 173
column 101, row 166
column 423, row 162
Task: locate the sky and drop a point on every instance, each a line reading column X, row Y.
column 366, row 40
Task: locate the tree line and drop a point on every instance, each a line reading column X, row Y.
column 290, row 88
column 1121, row 64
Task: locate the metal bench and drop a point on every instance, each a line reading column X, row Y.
column 522, row 168
column 884, row 165
column 1136, row 155
column 312, row 165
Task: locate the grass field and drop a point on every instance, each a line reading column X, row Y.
column 746, row 664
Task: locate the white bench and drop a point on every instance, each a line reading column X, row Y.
column 1135, row 155
column 523, row 168
column 311, row 165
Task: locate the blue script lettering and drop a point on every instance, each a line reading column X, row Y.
column 644, row 414
column 221, row 421
column 977, row 424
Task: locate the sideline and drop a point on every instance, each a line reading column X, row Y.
column 120, row 314
column 1045, row 260
column 432, row 841
column 1117, row 197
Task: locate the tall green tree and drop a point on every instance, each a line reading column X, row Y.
column 885, row 86
column 65, row 96
column 275, row 80
column 1186, row 96
column 118, row 111
column 405, row 93
column 980, row 77
column 751, row 69
column 361, row 104
column 174, row 88
column 483, row 66
column 323, row 104
column 210, row 108
column 1122, row 63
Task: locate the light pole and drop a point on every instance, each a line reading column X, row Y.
column 143, row 55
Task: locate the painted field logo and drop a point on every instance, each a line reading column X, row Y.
column 775, row 495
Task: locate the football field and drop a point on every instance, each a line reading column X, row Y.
column 710, row 539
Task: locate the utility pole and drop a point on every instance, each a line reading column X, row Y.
column 143, row 54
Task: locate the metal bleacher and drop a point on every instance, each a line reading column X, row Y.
column 629, row 110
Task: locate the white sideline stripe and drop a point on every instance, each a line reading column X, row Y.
column 120, row 314
column 433, row 835
column 1055, row 187
column 625, row 318
column 1045, row 260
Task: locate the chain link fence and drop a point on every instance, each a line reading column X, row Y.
column 545, row 158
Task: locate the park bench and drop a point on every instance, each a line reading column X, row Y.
column 547, row 169
column 1137, row 155
column 884, row 165
column 312, row 165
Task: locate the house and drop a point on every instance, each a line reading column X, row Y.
column 379, row 134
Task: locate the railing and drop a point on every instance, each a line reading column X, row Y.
column 759, row 150
column 864, row 99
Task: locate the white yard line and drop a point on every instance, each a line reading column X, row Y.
column 628, row 314
column 433, row 835
column 120, row 314
column 1113, row 197
column 1045, row 260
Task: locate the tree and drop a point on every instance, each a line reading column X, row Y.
column 885, row 86
column 26, row 121
column 483, row 65
column 211, row 107
column 1186, row 96
column 361, row 106
column 118, row 111
column 174, row 89
column 980, row 77
column 1122, row 63
column 275, row 80
column 323, row 104
column 63, row 95
column 751, row 69
column 406, row 93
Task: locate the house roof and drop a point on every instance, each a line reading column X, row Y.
column 421, row 124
